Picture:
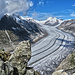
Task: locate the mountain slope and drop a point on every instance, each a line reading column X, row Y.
column 68, row 26
column 13, row 31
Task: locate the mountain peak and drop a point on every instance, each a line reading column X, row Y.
column 50, row 18
column 52, row 21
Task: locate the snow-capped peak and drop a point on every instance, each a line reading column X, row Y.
column 29, row 18
column 53, row 21
column 49, row 21
column 50, row 18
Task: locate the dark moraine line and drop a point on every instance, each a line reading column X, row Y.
column 49, row 53
column 45, row 46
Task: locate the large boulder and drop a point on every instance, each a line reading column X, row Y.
column 21, row 56
column 16, row 64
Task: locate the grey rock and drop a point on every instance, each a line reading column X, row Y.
column 16, row 64
column 59, row 72
column 21, row 56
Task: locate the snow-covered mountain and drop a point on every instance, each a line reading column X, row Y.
column 53, row 21
column 29, row 19
column 50, row 21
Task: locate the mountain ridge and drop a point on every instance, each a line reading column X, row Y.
column 68, row 26
column 13, row 31
column 50, row 21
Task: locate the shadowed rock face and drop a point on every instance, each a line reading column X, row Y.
column 17, row 63
column 22, row 29
column 12, row 32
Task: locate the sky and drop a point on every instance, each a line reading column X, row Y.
column 39, row 9
column 14, row 6
column 42, row 9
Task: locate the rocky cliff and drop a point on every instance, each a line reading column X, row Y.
column 16, row 63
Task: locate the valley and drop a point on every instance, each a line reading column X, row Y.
column 51, row 50
column 49, row 47
column 37, row 37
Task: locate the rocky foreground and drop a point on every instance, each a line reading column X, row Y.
column 16, row 63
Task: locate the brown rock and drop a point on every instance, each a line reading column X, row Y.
column 4, row 55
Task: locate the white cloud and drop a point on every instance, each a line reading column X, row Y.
column 34, row 14
column 13, row 6
column 73, row 14
column 31, row 4
column 40, row 3
column 41, row 16
column 73, row 5
column 2, row 8
column 44, row 16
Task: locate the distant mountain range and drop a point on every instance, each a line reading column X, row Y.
column 68, row 26
column 65, row 25
column 50, row 21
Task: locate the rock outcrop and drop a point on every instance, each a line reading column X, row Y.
column 65, row 72
column 67, row 66
column 16, row 64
